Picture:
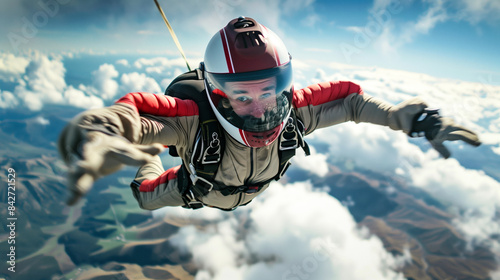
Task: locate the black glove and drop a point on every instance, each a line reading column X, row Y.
column 438, row 129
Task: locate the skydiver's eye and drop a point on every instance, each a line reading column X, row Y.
column 243, row 99
column 265, row 95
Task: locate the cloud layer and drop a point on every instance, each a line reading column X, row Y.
column 41, row 80
column 272, row 237
column 472, row 195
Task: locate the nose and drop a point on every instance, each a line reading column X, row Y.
column 257, row 109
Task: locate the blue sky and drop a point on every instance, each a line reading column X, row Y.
column 454, row 39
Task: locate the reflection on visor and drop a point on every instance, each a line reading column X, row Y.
column 255, row 101
column 269, row 119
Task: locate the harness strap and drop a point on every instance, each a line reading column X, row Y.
column 183, row 183
column 290, row 139
column 230, row 190
column 209, row 146
column 201, row 182
column 208, row 151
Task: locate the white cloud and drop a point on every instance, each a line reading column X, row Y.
column 162, row 62
column 366, row 144
column 123, row 62
column 46, row 76
column 471, row 195
column 41, row 120
column 475, row 11
column 474, row 195
column 11, row 66
column 355, row 29
column 390, row 39
column 163, row 66
column 31, row 100
column 42, row 82
column 380, row 5
column 78, row 98
column 435, row 14
column 7, row 100
column 315, row 163
column 103, row 81
column 133, row 82
column 311, row 20
column 454, row 184
column 496, row 150
column 279, row 242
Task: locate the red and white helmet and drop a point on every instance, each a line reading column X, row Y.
column 248, row 79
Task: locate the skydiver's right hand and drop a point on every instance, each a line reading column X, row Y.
column 94, row 154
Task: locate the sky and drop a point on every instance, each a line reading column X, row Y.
column 89, row 53
column 453, row 39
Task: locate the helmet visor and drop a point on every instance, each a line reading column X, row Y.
column 256, row 101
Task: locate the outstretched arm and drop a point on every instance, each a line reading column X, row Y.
column 99, row 142
column 331, row 103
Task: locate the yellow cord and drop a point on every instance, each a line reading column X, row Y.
column 176, row 41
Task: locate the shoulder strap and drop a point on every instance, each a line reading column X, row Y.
column 209, row 144
column 290, row 139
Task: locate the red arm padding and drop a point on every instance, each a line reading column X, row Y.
column 324, row 92
column 151, row 185
column 160, row 105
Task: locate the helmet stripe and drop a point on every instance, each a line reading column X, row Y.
column 227, row 52
column 242, row 134
column 277, row 56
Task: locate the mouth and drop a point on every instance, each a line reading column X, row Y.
column 265, row 136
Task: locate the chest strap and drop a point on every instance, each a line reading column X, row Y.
column 206, row 159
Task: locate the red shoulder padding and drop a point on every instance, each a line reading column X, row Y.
column 160, row 105
column 324, row 92
column 151, row 185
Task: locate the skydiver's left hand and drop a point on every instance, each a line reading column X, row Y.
column 438, row 129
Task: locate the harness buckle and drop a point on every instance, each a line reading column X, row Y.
column 191, row 202
column 201, row 181
column 284, row 169
column 195, row 179
column 194, row 205
column 212, row 153
column 289, row 137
